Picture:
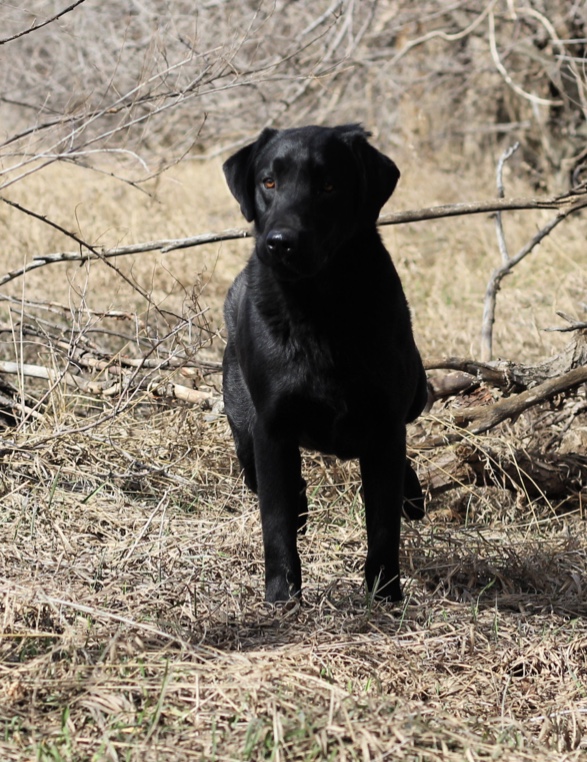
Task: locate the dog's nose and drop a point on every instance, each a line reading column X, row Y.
column 281, row 242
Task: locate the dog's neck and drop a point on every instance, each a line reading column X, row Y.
column 344, row 285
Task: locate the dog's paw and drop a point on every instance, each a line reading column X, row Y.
column 382, row 586
column 279, row 589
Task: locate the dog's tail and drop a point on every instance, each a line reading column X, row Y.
column 413, row 495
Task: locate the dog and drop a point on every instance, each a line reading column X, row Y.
column 320, row 352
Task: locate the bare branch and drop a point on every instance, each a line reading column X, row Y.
column 506, row 75
column 491, row 295
column 495, row 282
column 501, row 194
column 165, row 245
column 442, row 35
column 573, row 325
column 43, row 23
column 568, row 204
column 573, row 201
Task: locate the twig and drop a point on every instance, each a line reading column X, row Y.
column 574, row 325
column 491, row 294
column 51, row 223
column 495, row 281
column 99, row 614
column 328, row 13
column 43, row 23
column 505, row 74
column 501, row 194
column 439, row 33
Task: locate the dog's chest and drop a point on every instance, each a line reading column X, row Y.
column 323, row 394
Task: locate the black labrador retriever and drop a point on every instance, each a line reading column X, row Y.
column 320, row 351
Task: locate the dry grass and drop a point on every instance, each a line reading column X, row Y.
column 131, row 561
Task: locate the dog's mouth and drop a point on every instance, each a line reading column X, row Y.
column 296, row 257
column 297, row 265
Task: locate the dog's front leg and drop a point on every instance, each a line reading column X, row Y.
column 382, row 472
column 278, row 466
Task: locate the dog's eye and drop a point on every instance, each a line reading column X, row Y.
column 327, row 187
column 269, row 183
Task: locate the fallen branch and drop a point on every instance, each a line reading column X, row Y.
column 481, row 418
column 39, row 371
column 8, row 405
column 107, row 387
column 535, row 474
column 170, row 390
column 505, row 374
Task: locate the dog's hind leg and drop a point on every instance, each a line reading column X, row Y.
column 302, row 507
column 246, row 454
column 383, row 494
column 413, row 496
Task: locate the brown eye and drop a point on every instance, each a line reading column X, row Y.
column 269, row 183
column 327, row 187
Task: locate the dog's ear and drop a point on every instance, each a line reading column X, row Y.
column 379, row 174
column 238, row 170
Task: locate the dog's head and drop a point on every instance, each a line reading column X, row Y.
column 309, row 191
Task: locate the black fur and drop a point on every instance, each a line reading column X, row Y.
column 320, row 351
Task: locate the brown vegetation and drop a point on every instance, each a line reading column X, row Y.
column 131, row 624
